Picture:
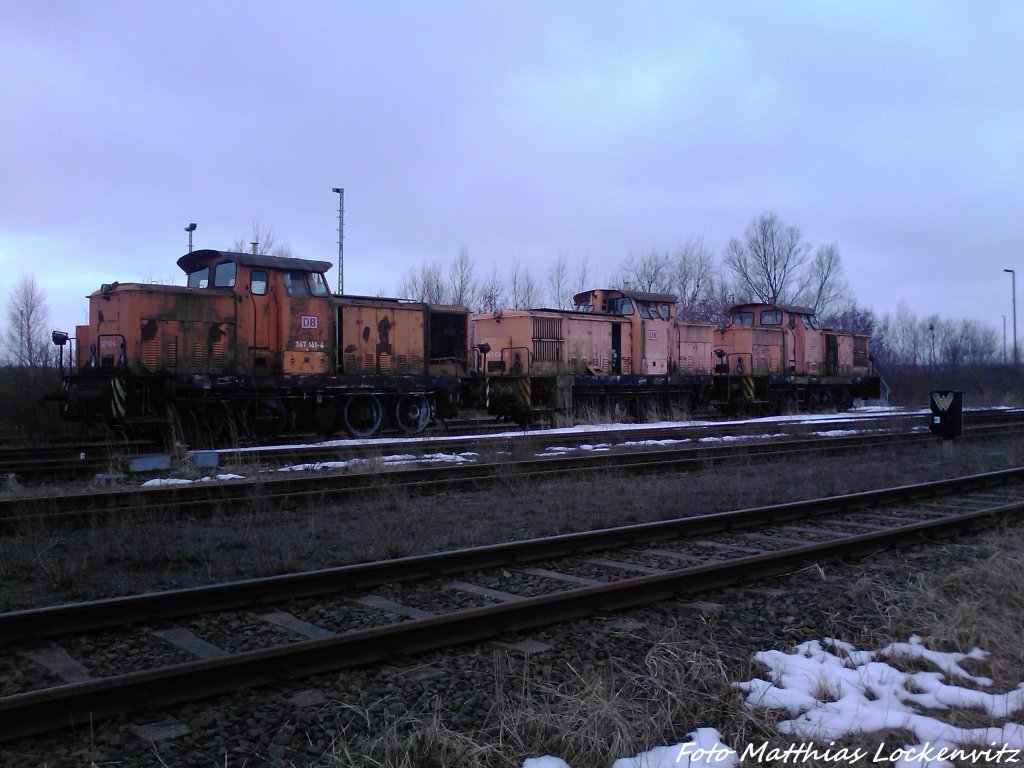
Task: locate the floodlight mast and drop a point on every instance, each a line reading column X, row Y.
column 340, row 192
column 1013, row 277
column 190, row 229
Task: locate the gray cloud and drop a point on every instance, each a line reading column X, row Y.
column 896, row 131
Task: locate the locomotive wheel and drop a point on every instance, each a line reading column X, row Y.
column 268, row 417
column 363, row 415
column 327, row 418
column 412, row 413
column 823, row 401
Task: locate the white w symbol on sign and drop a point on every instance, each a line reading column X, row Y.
column 943, row 401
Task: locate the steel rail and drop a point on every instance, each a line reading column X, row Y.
column 83, row 703
column 99, row 614
column 68, row 462
column 202, row 498
column 534, row 437
column 36, row 463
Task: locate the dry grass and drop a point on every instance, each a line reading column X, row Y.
column 123, row 554
column 638, row 689
column 591, row 714
column 976, row 601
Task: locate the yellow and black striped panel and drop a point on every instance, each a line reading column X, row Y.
column 525, row 392
column 748, row 388
column 119, row 401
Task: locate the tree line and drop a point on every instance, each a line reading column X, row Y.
column 771, row 263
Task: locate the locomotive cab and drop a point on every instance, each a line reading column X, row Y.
column 257, row 344
column 237, row 314
column 282, row 309
column 766, row 339
column 649, row 322
column 778, row 356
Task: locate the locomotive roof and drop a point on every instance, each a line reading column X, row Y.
column 638, row 295
column 791, row 308
column 201, row 258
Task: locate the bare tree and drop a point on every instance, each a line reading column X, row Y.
column 462, row 282
column 720, row 297
column 423, row 283
column 768, row 259
column 27, row 337
column 261, row 241
column 559, row 292
column 692, row 278
column 852, row 319
column 522, row 289
column 651, row 273
column 907, row 336
column 492, row 291
column 582, row 276
column 823, row 287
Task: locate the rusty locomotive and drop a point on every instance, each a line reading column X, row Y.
column 620, row 349
column 259, row 344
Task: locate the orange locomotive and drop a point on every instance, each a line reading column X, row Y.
column 258, row 342
column 778, row 358
column 620, row 349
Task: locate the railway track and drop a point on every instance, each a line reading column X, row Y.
column 539, row 439
column 43, row 459
column 66, row 459
column 177, row 646
column 84, row 460
column 280, row 489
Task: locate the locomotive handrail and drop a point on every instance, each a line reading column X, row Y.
column 529, row 360
column 731, row 369
column 120, row 359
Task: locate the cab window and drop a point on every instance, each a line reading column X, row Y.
column 318, row 285
column 585, row 306
column 258, row 282
column 771, row 317
column 809, row 322
column 224, row 275
column 665, row 311
column 620, row 306
column 200, row 278
column 742, row 318
column 295, row 283
column 644, row 308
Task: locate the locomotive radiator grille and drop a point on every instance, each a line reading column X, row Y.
column 547, row 351
column 151, row 355
column 547, row 339
column 172, row 353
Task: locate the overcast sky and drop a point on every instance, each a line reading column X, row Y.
column 518, row 131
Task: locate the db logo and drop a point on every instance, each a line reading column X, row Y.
column 308, row 321
column 652, row 335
